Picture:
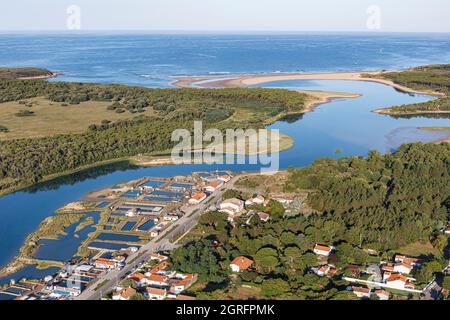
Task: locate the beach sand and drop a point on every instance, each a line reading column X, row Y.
column 251, row 80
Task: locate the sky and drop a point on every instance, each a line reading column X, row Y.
column 226, row 15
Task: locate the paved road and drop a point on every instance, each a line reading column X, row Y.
column 160, row 243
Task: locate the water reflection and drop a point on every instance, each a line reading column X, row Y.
column 82, row 175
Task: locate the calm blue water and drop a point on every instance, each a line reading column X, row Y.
column 150, row 60
column 109, row 246
column 29, row 272
column 128, row 226
column 103, row 205
column 66, row 246
column 118, row 237
column 147, row 225
column 160, row 199
column 167, row 194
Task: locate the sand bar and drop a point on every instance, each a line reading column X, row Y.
column 251, row 80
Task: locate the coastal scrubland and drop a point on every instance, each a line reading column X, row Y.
column 72, row 125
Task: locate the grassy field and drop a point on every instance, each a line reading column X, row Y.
column 52, row 118
column 264, row 183
column 417, row 249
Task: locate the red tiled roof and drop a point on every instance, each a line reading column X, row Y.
column 157, row 278
column 382, row 292
column 106, row 262
column 361, row 289
column 183, row 297
column 127, row 293
column 199, row 196
column 242, row 262
column 395, row 277
column 214, row 184
column 160, row 266
column 137, row 276
column 225, row 177
column 156, row 291
column 158, row 256
column 322, row 248
column 185, row 281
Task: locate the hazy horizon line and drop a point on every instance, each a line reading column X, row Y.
column 178, row 31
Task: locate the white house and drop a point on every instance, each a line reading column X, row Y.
column 225, row 178
column 255, row 200
column 325, row 270
column 155, row 293
column 402, row 267
column 131, row 213
column 322, row 250
column 158, row 257
column 397, row 281
column 232, row 206
column 105, row 264
column 361, row 292
column 382, row 294
column 213, row 186
column 123, row 294
column 156, row 280
column 447, row 231
column 264, row 217
column 240, row 263
column 198, row 198
column 249, row 202
column 154, row 233
column 184, row 283
column 414, row 262
column 169, row 217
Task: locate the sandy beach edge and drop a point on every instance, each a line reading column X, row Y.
column 250, row 80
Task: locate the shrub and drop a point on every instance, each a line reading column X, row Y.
column 24, row 113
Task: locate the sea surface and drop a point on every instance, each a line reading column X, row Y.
column 347, row 125
column 151, row 59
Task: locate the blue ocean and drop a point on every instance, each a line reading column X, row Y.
column 151, row 60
